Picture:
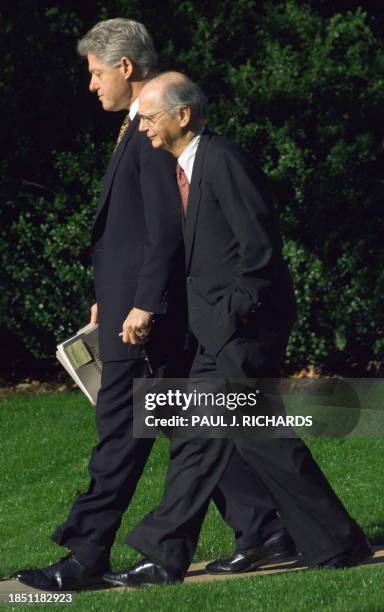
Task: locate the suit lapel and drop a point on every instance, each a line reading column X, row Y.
column 112, row 167
column 194, row 197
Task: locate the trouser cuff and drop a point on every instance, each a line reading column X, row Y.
column 89, row 555
column 251, row 540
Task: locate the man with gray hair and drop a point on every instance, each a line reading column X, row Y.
column 139, row 285
column 138, row 273
column 241, row 309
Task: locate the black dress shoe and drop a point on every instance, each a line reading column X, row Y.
column 144, row 573
column 352, row 556
column 68, row 574
column 277, row 547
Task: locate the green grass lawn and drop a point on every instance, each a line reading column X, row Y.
column 44, row 450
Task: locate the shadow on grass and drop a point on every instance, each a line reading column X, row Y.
column 289, row 564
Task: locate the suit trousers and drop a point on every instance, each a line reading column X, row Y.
column 117, row 462
column 309, row 508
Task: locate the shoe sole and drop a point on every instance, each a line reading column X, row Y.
column 256, row 564
column 142, row 584
column 56, row 589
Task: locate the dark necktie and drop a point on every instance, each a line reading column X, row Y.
column 183, row 184
column 124, row 126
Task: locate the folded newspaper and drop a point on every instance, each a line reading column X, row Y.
column 79, row 355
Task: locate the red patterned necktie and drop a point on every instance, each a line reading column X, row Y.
column 183, row 184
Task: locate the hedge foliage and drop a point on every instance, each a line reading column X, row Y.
column 299, row 84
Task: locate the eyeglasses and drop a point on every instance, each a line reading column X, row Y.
column 150, row 120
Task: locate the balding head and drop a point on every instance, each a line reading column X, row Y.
column 172, row 109
column 175, row 90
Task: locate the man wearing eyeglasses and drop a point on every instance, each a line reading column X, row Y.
column 241, row 309
column 138, row 263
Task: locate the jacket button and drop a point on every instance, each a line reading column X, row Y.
column 189, row 280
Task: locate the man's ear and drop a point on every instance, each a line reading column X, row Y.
column 127, row 67
column 185, row 116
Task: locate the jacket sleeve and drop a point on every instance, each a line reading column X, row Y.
column 162, row 213
column 252, row 223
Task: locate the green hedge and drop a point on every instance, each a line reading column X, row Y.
column 300, row 85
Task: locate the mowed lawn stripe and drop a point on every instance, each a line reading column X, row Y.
column 45, row 445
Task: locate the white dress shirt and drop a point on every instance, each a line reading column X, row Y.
column 133, row 109
column 187, row 157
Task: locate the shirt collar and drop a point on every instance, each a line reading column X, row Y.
column 187, row 157
column 133, row 109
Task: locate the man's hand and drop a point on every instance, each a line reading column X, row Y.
column 137, row 326
column 94, row 316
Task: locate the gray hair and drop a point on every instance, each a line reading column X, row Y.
column 113, row 39
column 186, row 93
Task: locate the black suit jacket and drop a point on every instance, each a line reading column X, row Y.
column 238, row 282
column 137, row 244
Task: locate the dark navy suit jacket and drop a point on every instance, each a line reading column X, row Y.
column 137, row 249
column 238, row 282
